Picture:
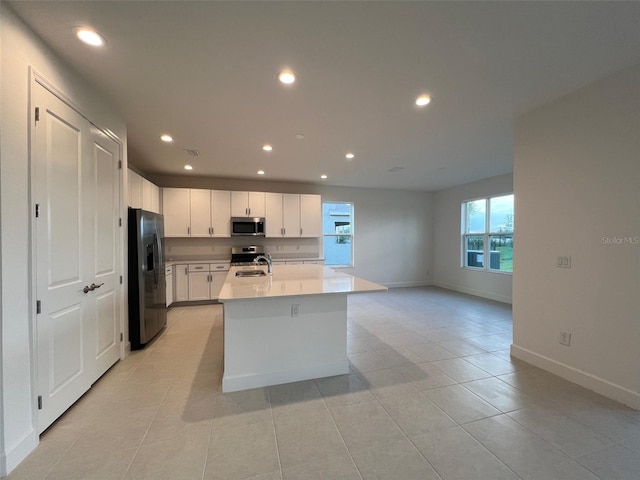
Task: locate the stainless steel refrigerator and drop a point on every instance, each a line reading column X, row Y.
column 147, row 288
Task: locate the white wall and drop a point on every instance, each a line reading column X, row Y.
column 577, row 183
column 393, row 228
column 21, row 49
column 447, row 243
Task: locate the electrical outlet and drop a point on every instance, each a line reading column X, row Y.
column 565, row 338
column 563, row 262
column 295, row 310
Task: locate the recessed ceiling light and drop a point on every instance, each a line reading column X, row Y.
column 323, row 177
column 300, row 136
column 423, row 100
column 267, row 148
column 188, row 167
column 287, row 77
column 90, row 37
column 260, row 172
column 349, row 156
column 166, row 138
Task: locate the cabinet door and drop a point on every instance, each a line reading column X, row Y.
column 239, row 204
column 291, row 215
column 217, row 280
column 135, row 189
column 199, row 288
column 147, row 202
column 169, row 282
column 155, row 198
column 257, row 204
column 200, row 207
column 176, row 211
column 181, row 281
column 273, row 215
column 220, row 213
column 310, row 216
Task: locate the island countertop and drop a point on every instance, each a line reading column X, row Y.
column 292, row 280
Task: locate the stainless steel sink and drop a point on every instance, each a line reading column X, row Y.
column 250, row 273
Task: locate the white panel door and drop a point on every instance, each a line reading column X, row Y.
column 221, row 213
column 200, row 213
column 105, row 185
column 176, row 211
column 64, row 246
column 291, row 215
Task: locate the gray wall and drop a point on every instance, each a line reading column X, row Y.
column 577, row 182
column 447, row 241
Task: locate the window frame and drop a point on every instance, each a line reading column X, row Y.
column 350, row 235
column 486, row 235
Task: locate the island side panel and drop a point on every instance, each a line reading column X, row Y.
column 264, row 345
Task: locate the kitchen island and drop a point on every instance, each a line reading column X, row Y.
column 288, row 326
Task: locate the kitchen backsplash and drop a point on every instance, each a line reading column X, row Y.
column 220, row 248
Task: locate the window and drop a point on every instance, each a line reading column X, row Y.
column 487, row 233
column 337, row 230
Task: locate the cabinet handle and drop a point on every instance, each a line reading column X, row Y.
column 300, row 232
column 188, row 230
column 213, row 231
column 186, row 270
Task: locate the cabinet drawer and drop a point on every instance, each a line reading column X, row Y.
column 219, row 267
column 199, row 267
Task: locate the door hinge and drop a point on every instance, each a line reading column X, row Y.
column 121, row 337
column 37, row 210
column 38, row 307
column 120, row 279
column 37, row 114
column 120, row 222
column 39, row 402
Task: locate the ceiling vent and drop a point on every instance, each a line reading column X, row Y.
column 191, row 152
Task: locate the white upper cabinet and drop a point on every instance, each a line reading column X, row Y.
column 310, row 216
column 176, row 208
column 273, row 217
column 196, row 212
column 135, row 189
column 142, row 193
column 220, row 213
column 200, row 211
column 248, row 204
column 290, row 215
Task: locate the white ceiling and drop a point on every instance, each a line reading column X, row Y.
column 205, row 72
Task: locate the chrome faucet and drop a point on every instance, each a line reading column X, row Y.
column 267, row 258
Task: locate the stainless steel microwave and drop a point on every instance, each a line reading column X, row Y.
column 247, row 226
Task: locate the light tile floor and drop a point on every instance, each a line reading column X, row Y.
column 433, row 394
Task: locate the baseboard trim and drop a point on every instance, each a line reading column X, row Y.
column 407, row 284
column 475, row 293
column 584, row 379
column 15, row 454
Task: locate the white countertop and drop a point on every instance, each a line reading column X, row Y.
column 227, row 260
column 292, row 280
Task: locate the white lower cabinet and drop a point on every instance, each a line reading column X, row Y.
column 206, row 280
column 169, row 283
column 181, row 281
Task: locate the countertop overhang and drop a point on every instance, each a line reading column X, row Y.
column 293, row 280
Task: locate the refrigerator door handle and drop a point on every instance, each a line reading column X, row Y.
column 156, row 260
